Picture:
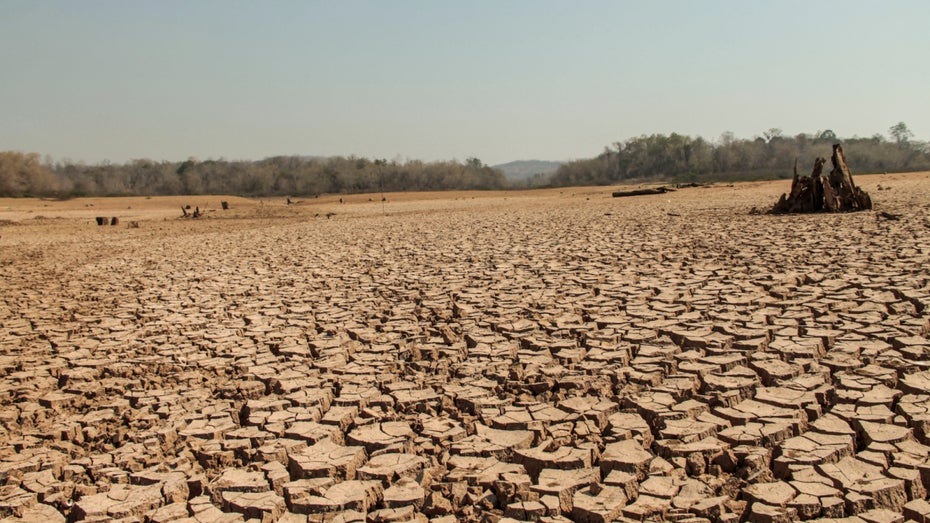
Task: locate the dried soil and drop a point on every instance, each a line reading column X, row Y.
column 541, row 355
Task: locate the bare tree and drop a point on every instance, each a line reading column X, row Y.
column 901, row 133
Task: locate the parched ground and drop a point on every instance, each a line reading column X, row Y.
column 544, row 356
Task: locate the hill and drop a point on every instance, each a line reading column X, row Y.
column 526, row 169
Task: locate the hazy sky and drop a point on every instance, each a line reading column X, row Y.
column 440, row 79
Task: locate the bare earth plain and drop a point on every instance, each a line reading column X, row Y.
column 554, row 355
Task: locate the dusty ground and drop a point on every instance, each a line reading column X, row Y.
column 547, row 355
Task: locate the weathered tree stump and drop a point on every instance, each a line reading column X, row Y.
column 225, row 205
column 816, row 193
column 102, row 220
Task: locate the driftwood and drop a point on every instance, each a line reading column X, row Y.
column 642, row 192
column 816, row 193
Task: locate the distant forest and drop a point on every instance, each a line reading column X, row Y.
column 657, row 157
column 681, row 158
column 26, row 175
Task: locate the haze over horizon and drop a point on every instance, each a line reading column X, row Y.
column 549, row 80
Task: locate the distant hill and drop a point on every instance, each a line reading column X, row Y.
column 525, row 169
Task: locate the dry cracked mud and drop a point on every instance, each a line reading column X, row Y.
column 542, row 356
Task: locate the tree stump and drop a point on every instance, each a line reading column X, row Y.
column 816, row 193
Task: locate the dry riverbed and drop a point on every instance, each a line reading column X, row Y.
column 554, row 355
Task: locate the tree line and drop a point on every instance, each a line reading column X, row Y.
column 24, row 174
column 675, row 158
column 680, row 158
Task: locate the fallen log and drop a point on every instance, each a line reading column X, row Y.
column 642, row 192
column 817, row 193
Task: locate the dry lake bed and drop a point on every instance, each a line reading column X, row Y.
column 555, row 355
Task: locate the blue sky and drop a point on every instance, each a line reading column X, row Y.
column 499, row 80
